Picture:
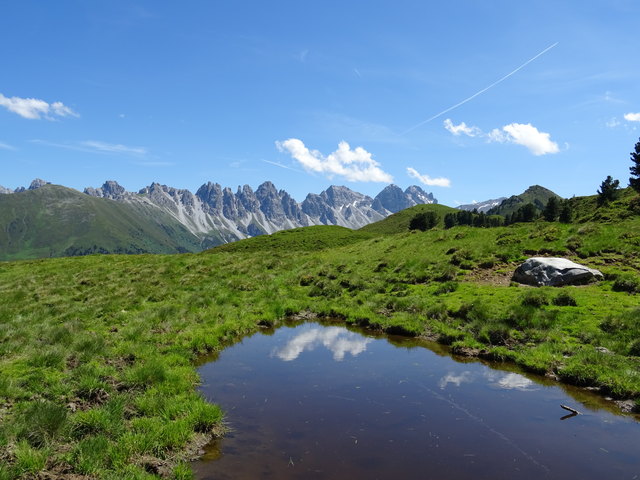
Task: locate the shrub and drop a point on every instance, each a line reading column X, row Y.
column 634, row 348
column 627, row 282
column 446, row 287
column 535, row 298
column 565, row 299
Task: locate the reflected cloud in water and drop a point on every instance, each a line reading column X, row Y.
column 507, row 381
column 511, row 381
column 455, row 379
column 339, row 341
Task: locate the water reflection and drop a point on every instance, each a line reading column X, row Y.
column 385, row 408
column 455, row 379
column 511, row 381
column 506, row 381
column 338, row 340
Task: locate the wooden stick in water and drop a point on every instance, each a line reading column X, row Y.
column 572, row 410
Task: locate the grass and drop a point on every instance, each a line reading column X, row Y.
column 97, row 353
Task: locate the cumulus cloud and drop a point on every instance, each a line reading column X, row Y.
column 35, row 109
column 355, row 165
column 525, row 134
column 461, row 128
column 632, row 117
column 427, row 180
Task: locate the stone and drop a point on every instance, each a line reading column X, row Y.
column 554, row 272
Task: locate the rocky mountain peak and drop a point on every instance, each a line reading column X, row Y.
column 392, row 199
column 110, row 189
column 418, row 195
column 341, row 196
column 37, row 183
column 5, row 190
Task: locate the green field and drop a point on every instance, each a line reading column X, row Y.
column 97, row 352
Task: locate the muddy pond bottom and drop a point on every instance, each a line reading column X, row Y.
column 324, row 402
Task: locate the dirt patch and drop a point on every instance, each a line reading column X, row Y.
column 498, row 275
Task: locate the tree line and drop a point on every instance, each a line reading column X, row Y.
column 556, row 209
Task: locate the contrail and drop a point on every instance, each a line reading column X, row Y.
column 282, row 166
column 481, row 91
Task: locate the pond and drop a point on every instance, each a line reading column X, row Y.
column 319, row 401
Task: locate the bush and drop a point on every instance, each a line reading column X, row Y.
column 446, row 287
column 535, row 298
column 565, row 299
column 634, row 348
column 627, row 282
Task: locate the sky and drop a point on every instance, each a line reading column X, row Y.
column 469, row 99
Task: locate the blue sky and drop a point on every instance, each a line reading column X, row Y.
column 310, row 94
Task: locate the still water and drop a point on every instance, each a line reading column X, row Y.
column 324, row 402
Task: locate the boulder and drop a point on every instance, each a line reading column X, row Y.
column 554, row 272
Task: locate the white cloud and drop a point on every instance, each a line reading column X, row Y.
column 427, row 180
column 34, row 108
column 113, row 148
column 462, row 128
column 538, row 143
column 355, row 165
column 6, row 146
column 632, row 117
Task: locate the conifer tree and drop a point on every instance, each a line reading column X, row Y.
column 566, row 212
column 551, row 210
column 608, row 190
column 634, row 181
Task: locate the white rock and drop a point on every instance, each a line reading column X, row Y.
column 554, row 272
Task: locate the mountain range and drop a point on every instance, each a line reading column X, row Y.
column 51, row 220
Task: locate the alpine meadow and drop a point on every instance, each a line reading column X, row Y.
column 319, row 240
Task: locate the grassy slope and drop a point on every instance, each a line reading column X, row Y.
column 54, row 221
column 537, row 195
column 96, row 353
column 399, row 222
column 312, row 238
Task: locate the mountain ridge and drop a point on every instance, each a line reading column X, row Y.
column 247, row 213
column 176, row 220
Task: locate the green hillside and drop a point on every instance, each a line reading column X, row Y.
column 55, row 221
column 537, row 195
column 587, row 209
column 399, row 222
column 316, row 237
column 97, row 353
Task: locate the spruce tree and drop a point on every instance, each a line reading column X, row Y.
column 634, row 181
column 551, row 210
column 566, row 212
column 608, row 190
